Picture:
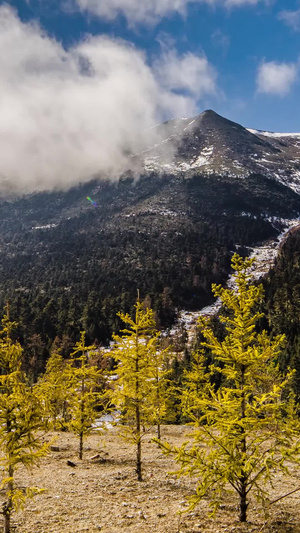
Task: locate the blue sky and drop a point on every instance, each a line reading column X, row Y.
column 236, row 40
column 139, row 62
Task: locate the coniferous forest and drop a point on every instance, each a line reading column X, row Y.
column 68, row 266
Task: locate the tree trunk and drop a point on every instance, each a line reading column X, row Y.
column 82, row 407
column 243, row 504
column 158, row 431
column 80, row 451
column 138, row 417
column 243, row 479
column 8, row 505
column 139, row 460
column 138, row 444
column 7, row 508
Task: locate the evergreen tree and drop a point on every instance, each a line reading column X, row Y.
column 89, row 395
column 140, row 390
column 55, row 390
column 245, row 431
column 161, row 389
column 21, row 418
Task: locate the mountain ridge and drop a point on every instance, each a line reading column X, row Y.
column 210, row 143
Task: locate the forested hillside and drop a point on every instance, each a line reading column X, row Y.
column 282, row 302
column 68, row 265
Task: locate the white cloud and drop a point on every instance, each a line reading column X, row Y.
column 240, row 3
column 189, row 73
column 67, row 115
column 291, row 18
column 221, row 40
column 184, row 80
column 276, row 78
column 149, row 11
column 134, row 10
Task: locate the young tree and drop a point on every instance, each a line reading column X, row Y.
column 54, row 389
column 196, row 384
column 88, row 391
column 140, row 388
column 21, row 417
column 245, row 431
column 160, row 386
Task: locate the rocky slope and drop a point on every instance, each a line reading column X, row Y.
column 210, row 144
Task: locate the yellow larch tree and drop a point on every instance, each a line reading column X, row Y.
column 21, row 423
column 89, row 396
column 140, row 391
column 247, row 429
column 55, row 389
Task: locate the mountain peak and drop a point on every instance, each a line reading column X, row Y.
column 209, row 112
column 209, row 144
column 209, row 116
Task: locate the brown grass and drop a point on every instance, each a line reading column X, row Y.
column 104, row 495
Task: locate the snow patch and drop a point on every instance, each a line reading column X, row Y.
column 189, row 125
column 272, row 134
column 199, row 162
column 47, row 226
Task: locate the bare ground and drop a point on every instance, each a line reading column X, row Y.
column 103, row 494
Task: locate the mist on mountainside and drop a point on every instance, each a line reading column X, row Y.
column 68, row 115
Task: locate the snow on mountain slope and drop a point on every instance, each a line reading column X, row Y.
column 264, row 254
column 274, row 134
column 212, row 145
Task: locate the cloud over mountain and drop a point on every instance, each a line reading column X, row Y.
column 67, row 115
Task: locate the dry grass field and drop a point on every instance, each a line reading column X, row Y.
column 103, row 494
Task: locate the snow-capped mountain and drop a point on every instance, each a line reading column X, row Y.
column 212, row 145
